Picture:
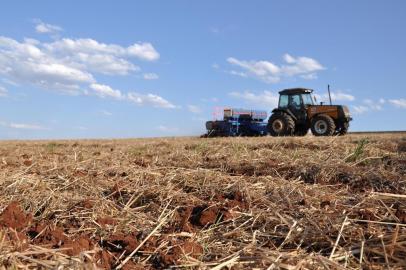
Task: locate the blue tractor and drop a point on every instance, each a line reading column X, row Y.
column 238, row 122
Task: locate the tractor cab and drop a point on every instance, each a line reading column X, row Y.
column 296, row 101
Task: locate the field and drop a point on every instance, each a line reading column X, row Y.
column 244, row 203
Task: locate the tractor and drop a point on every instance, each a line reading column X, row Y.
column 297, row 112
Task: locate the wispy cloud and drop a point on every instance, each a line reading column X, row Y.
column 360, row 109
column 400, row 103
column 194, row 109
column 103, row 91
column 335, row 96
column 80, row 128
column 26, row 126
column 311, row 76
column 3, row 91
column 270, row 72
column 340, row 96
column 369, row 105
column 373, row 104
column 266, row 99
column 150, row 76
column 106, row 113
column 46, row 28
column 167, row 129
column 150, row 99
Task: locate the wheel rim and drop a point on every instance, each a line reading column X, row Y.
column 277, row 126
column 320, row 126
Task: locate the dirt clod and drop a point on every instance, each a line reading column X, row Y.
column 120, row 242
column 14, row 217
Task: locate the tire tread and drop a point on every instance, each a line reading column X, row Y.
column 331, row 127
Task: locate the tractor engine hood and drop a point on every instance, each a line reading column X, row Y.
column 346, row 111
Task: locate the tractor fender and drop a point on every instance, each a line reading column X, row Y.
column 287, row 111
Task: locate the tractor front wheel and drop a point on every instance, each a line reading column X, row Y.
column 281, row 124
column 344, row 129
column 323, row 125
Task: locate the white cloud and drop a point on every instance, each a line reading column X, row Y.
column 335, row 96
column 264, row 70
column 45, row 28
column 289, row 59
column 70, row 65
column 271, row 73
column 150, row 76
column 167, row 129
column 110, row 59
column 143, row 51
column 25, row 63
column 369, row 105
column 360, row 109
column 103, row 91
column 194, row 109
column 373, row 105
column 150, row 99
column 340, row 96
column 80, row 128
column 84, row 55
column 311, row 76
column 238, row 73
column 400, row 103
column 3, row 92
column 106, row 113
column 300, row 65
column 103, row 63
column 26, row 126
column 156, row 101
column 10, row 82
column 266, row 100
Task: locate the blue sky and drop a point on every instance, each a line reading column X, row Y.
column 104, row 69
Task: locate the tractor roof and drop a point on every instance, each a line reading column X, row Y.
column 293, row 91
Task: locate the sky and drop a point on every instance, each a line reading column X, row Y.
column 120, row 69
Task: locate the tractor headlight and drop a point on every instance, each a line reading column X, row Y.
column 346, row 111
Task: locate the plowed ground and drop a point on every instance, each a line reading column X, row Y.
column 267, row 203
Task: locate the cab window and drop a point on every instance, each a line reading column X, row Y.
column 295, row 101
column 307, row 99
column 283, row 101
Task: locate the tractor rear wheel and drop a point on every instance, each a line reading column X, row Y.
column 323, row 125
column 281, row 124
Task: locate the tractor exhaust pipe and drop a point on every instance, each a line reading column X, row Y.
column 329, row 95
